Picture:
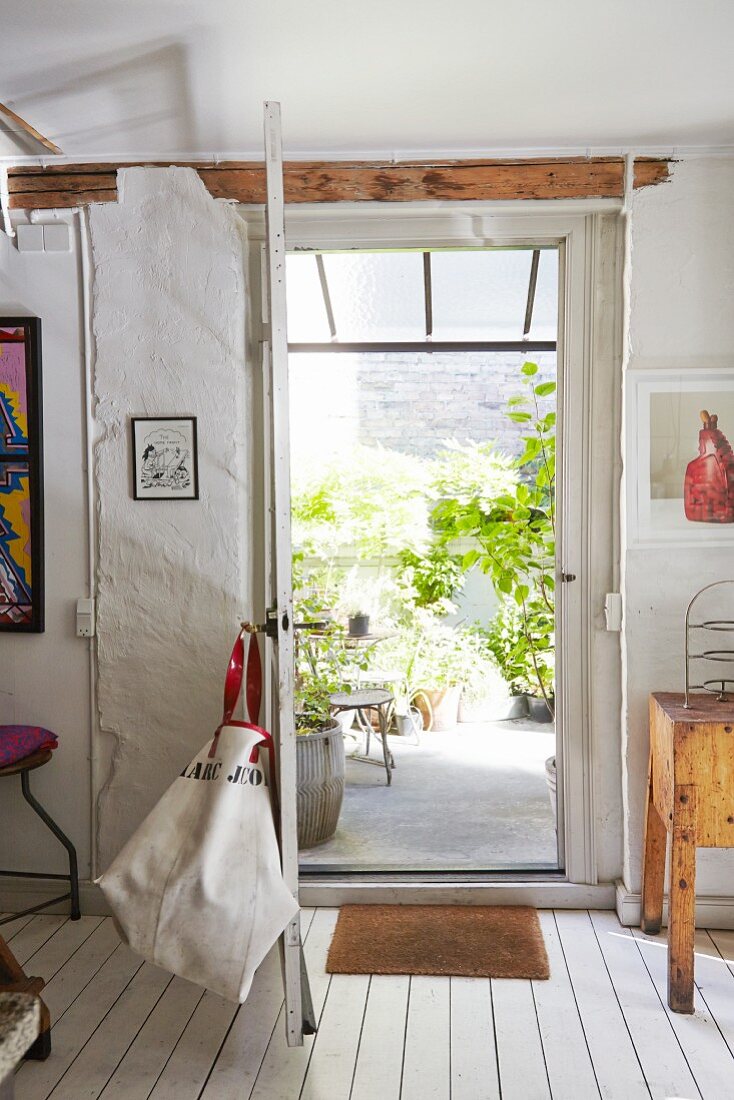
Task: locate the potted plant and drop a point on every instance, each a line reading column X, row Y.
column 510, row 637
column 319, row 737
column 426, row 654
column 485, row 696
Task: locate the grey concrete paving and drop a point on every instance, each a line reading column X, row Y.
column 472, row 799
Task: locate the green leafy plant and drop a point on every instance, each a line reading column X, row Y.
column 507, row 638
column 371, row 501
column 430, row 580
column 514, row 535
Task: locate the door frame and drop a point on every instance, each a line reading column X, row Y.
column 589, row 235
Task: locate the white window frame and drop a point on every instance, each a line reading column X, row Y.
column 589, row 237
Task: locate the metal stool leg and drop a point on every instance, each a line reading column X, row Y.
column 60, row 835
column 366, row 728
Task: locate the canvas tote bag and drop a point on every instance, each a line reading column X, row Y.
column 198, row 889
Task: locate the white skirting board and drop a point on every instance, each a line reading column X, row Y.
column 711, row 911
column 22, row 893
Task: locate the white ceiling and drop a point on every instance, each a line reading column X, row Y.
column 392, row 77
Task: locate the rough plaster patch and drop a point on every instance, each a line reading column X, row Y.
column 169, row 329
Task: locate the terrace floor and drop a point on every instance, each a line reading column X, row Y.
column 474, row 798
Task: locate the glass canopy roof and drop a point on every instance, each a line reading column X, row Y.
column 460, row 296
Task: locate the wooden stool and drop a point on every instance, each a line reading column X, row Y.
column 690, row 794
column 22, row 768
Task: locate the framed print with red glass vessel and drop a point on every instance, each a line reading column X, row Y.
column 679, row 456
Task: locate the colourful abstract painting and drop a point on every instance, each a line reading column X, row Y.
column 21, row 531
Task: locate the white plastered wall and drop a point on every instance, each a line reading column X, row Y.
column 173, row 576
column 681, row 314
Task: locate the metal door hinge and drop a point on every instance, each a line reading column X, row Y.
column 568, row 577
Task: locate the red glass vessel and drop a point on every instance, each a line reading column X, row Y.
column 708, row 490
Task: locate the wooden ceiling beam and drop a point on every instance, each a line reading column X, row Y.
column 31, row 131
column 337, row 181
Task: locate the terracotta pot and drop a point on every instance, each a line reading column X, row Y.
column 445, row 706
column 320, row 784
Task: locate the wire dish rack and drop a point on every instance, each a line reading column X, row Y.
column 721, row 686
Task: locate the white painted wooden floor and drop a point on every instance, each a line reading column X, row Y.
column 598, row 1028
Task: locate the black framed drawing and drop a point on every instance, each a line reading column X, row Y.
column 21, row 476
column 165, row 460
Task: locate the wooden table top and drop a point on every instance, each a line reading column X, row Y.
column 704, row 707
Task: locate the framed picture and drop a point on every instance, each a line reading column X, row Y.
column 680, row 465
column 21, row 476
column 165, row 462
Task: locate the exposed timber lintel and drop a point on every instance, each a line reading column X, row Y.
column 66, row 185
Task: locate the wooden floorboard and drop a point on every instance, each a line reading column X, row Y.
column 702, row 1043
column 618, row 1071
column 598, row 1028
column 379, row 1070
column 658, row 1050
column 566, row 1051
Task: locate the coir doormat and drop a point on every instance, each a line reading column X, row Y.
column 472, row 941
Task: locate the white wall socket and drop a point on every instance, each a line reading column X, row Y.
column 85, row 618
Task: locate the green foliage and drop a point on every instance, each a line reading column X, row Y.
column 464, row 472
column 523, row 646
column 371, row 501
column 430, row 580
column 514, row 536
column 429, row 654
column 324, row 664
column 375, row 505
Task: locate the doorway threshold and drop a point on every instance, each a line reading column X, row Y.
column 546, row 891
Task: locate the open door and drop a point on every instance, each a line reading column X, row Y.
column 279, row 597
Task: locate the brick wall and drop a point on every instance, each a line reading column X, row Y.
column 412, row 403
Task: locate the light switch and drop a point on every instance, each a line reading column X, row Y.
column 85, row 618
column 29, row 238
column 56, row 237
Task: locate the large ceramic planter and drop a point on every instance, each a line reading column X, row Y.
column 539, row 709
column 320, row 784
column 445, row 706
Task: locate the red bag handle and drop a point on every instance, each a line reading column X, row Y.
column 232, row 689
column 233, row 679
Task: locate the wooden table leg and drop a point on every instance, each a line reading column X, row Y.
column 682, row 915
column 14, row 979
column 653, row 864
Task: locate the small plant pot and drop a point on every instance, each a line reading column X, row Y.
column 320, row 784
column 538, row 709
column 359, row 626
column 409, row 725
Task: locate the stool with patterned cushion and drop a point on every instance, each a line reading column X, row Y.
column 14, row 737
